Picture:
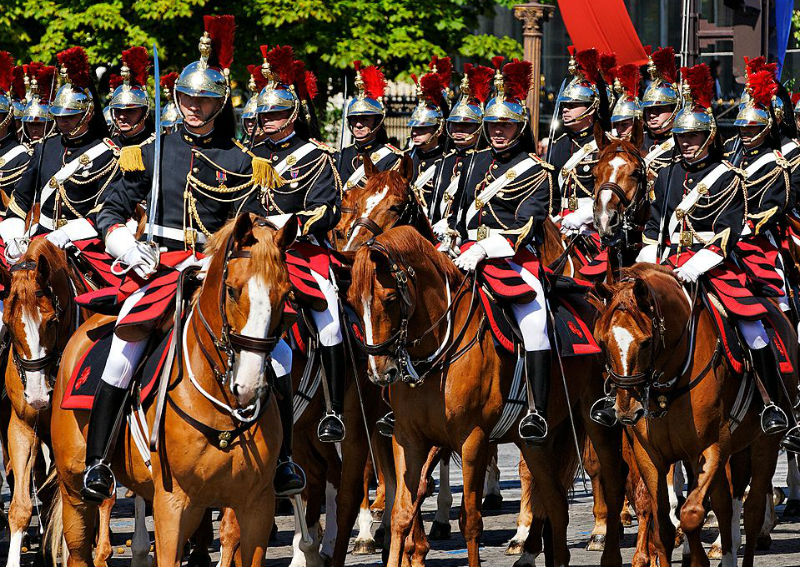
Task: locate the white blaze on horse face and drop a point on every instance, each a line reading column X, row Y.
column 368, row 333
column 247, row 371
column 606, row 194
column 37, row 391
column 624, row 339
column 372, row 202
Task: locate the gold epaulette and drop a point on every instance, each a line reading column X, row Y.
column 543, row 163
column 265, row 175
column 322, row 146
column 241, row 146
column 130, row 159
column 738, row 171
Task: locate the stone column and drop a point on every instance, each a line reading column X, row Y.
column 533, row 15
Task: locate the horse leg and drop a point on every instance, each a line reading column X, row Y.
column 525, row 518
column 597, row 540
column 493, row 499
column 229, row 537
column 722, row 504
column 662, row 535
column 22, row 446
column 175, row 520
column 792, row 509
column 644, row 513
column 351, row 491
column 256, row 517
column 78, row 520
column 103, row 550
column 365, row 543
column 693, row 511
column 764, row 457
column 474, row 458
column 440, row 529
column 200, row 541
column 408, row 461
column 140, row 542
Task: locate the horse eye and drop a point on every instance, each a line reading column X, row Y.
column 231, row 292
column 396, row 208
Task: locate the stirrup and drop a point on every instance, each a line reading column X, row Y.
column 791, row 440
column 297, row 471
column 602, row 412
column 533, row 419
column 385, row 425
column 771, row 429
column 338, row 423
column 103, row 470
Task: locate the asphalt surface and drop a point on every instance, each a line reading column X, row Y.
column 499, row 527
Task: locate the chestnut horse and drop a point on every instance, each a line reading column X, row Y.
column 241, row 301
column 656, row 339
column 458, row 403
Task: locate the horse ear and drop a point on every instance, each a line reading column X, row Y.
column 287, row 234
column 406, row 168
column 369, row 168
column 604, row 292
column 43, row 271
column 243, row 231
column 641, row 291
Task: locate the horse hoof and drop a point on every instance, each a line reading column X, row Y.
column 492, row 502
column 763, row 542
column 792, row 509
column 439, row 531
column 380, row 534
column 199, row 558
column 527, row 559
column 515, row 548
column 377, row 515
column 626, row 519
column 715, row 552
column 364, row 546
column 597, row 543
column 283, row 508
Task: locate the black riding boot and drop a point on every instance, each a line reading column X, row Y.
column 603, row 412
column 331, row 427
column 98, row 479
column 533, row 426
column 288, row 478
column 773, row 419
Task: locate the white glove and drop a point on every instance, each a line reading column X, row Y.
column 468, row 261
column 142, row 259
column 202, row 264
column 440, row 229
column 576, row 220
column 703, row 261
column 59, row 238
column 649, row 253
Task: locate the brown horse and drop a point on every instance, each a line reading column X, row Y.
column 209, row 454
column 650, row 347
column 460, row 398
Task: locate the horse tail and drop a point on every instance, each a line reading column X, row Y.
column 53, row 520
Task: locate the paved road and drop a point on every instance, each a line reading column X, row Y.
column 499, row 528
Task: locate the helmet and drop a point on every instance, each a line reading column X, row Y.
column 203, row 78
column 583, row 66
column 371, row 85
column 38, row 108
column 626, row 83
column 432, row 92
column 761, row 88
column 278, row 94
column 695, row 115
column 663, row 87
column 6, row 79
column 511, row 90
column 132, row 93
column 255, row 84
column 108, row 118
column 475, row 86
column 19, row 90
column 74, row 96
column 170, row 117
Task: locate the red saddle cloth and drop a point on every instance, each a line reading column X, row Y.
column 759, row 258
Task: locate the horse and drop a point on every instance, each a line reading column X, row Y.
column 457, row 400
column 219, row 438
column 656, row 340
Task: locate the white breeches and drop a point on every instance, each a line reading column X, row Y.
column 753, row 333
column 329, row 326
column 531, row 317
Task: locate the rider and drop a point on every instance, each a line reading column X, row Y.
column 171, row 117
column 130, row 103
column 659, row 106
column 365, row 114
column 426, row 123
column 36, row 120
column 253, row 134
column 14, row 156
column 207, row 170
column 68, row 174
column 506, row 197
column 626, row 116
column 309, row 187
column 464, row 130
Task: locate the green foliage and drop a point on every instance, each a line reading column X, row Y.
column 796, row 27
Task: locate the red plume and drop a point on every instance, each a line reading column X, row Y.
column 168, row 81
column 648, row 50
column 18, row 82
column 32, row 69
column 664, row 60
column 444, row 68
column 77, row 64
column 415, row 79
column 45, row 82
column 221, row 29
column 762, row 87
column 795, row 98
column 114, row 81
column 432, row 87
column 588, row 61
column 310, row 82
column 138, row 61
column 571, row 49
column 357, row 65
column 258, row 76
column 700, row 83
column 6, row 71
column 607, row 61
column 755, row 64
column 517, row 79
column 480, row 81
column 628, row 76
column 497, row 61
column 374, row 81
column 281, row 61
column 305, row 81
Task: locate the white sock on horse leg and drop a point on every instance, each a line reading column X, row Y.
column 753, row 333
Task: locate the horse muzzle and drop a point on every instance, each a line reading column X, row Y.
column 630, row 417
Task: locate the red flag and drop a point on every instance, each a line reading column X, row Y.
column 604, row 25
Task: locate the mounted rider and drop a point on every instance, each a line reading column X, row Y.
column 253, row 134
column 626, row 115
column 505, row 199
column 36, row 120
column 660, row 103
column 427, row 123
column 171, row 118
column 14, row 156
column 463, row 126
column 129, row 105
column 303, row 181
column 365, row 113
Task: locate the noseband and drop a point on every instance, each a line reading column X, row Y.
column 632, row 208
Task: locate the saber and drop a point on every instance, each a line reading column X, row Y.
column 554, row 121
column 341, row 127
column 151, row 215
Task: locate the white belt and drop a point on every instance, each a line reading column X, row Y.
column 177, row 234
column 46, row 222
column 482, row 233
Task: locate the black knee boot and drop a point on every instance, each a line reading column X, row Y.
column 533, row 426
column 331, row 427
column 773, row 419
column 288, row 478
column 98, row 479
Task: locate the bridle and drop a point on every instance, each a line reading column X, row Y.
column 406, row 216
column 633, row 209
column 53, row 359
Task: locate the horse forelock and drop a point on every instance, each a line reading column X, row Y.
column 615, row 147
column 391, row 179
column 660, row 281
column 22, row 294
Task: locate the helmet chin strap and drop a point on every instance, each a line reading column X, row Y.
column 288, row 122
column 759, row 138
column 84, row 119
column 135, row 126
column 699, row 152
column 373, row 130
column 585, row 114
column 213, row 116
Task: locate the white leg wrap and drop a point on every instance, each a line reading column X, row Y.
column 532, row 316
column 753, row 333
column 328, row 322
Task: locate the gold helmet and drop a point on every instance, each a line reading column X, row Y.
column 475, row 88
column 582, row 88
column 170, row 117
column 626, row 84
column 663, row 87
column 432, row 93
column 370, row 87
column 37, row 109
column 19, row 90
column 132, row 92
column 73, row 96
column 256, row 82
column 511, row 91
column 761, row 88
column 695, row 115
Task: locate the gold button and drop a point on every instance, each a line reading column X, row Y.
column 494, row 166
column 291, row 160
column 69, row 152
column 690, row 180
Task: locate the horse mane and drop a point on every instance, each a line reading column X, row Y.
column 407, row 247
column 25, row 292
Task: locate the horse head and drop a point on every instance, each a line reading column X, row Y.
column 385, row 201
column 620, row 200
column 243, row 298
column 398, row 289
column 40, row 316
column 640, row 331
